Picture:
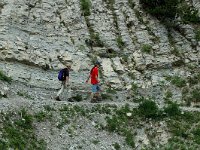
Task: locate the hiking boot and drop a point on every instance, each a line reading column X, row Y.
column 57, row 98
column 99, row 98
column 93, row 100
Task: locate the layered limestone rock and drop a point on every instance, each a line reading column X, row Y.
column 46, row 33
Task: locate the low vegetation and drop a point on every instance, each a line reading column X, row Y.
column 146, row 48
column 168, row 10
column 85, row 7
column 5, row 78
column 177, row 81
column 18, row 130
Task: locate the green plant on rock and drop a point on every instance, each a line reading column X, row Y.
column 42, row 116
column 172, row 110
column 3, row 77
column 195, row 95
column 77, row 97
column 161, row 9
column 24, row 94
column 148, row 109
column 120, row 42
column 131, row 3
column 176, row 52
column 197, row 35
column 146, row 48
column 85, row 7
column 118, row 123
column 116, row 146
column 96, row 39
column 188, row 13
column 177, row 81
column 196, row 133
column 167, row 10
column 18, row 132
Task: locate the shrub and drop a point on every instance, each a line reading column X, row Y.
column 196, row 95
column 129, row 139
column 18, row 132
column 162, row 9
column 197, row 36
column 77, row 98
column 120, row 42
column 131, row 3
column 167, row 10
column 116, row 146
column 3, row 77
column 146, row 48
column 148, row 109
column 85, row 7
column 172, row 110
column 188, row 13
column 177, row 81
column 196, row 134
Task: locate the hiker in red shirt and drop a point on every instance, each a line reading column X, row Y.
column 95, row 82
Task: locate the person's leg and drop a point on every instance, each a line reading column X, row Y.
column 98, row 93
column 93, row 94
column 61, row 90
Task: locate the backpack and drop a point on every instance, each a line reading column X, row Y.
column 60, row 75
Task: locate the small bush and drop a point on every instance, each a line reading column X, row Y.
column 196, row 95
column 18, row 132
column 131, row 3
column 130, row 139
column 167, row 10
column 188, row 13
column 172, row 110
column 77, row 98
column 85, row 7
column 120, row 42
column 96, row 39
column 197, row 36
column 177, row 81
column 116, row 146
column 196, row 134
column 3, row 77
column 146, row 48
column 161, row 9
column 148, row 109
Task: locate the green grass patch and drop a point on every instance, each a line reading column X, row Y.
column 197, row 35
column 85, row 7
column 24, row 94
column 148, row 109
column 146, row 48
column 177, row 81
column 18, row 132
column 120, row 42
column 172, row 110
column 5, row 78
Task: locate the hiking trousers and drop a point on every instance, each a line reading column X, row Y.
column 66, row 88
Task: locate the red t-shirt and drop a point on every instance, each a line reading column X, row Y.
column 94, row 75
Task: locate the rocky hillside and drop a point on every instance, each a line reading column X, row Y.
column 145, row 62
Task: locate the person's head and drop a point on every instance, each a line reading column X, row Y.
column 68, row 65
column 97, row 63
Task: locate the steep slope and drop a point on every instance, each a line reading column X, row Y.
column 141, row 59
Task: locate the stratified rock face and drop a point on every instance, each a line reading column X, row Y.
column 46, row 33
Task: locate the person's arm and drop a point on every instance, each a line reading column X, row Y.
column 67, row 77
column 88, row 79
column 96, row 72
